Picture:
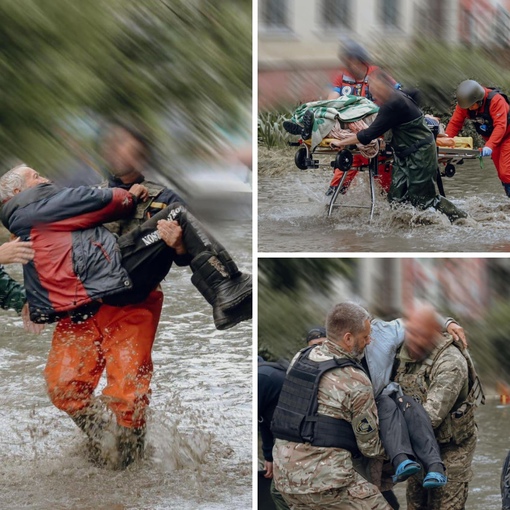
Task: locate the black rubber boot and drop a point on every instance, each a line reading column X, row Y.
column 100, row 447
column 290, row 127
column 444, row 206
column 130, row 445
column 229, row 292
column 308, row 121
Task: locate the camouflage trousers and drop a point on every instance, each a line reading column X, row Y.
column 457, row 460
column 360, row 495
column 278, row 500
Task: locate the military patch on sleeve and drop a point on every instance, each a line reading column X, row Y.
column 364, row 427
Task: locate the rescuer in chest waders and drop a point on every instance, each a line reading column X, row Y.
column 86, row 279
column 414, row 147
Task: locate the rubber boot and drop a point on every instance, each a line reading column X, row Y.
column 308, row 121
column 101, row 440
column 444, row 206
column 230, row 297
column 130, row 445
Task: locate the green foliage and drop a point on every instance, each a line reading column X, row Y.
column 436, row 69
column 490, row 345
column 186, row 61
column 291, row 274
column 270, row 130
column 284, row 319
column 293, row 297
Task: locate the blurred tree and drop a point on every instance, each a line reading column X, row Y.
column 293, row 297
column 46, row 55
column 289, row 274
column 436, row 69
column 186, row 61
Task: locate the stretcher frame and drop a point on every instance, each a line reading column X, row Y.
column 447, row 156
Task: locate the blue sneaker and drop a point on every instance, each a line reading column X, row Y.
column 433, row 480
column 405, row 469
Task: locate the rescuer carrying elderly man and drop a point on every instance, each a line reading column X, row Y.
column 80, row 267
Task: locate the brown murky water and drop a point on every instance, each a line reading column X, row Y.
column 292, row 213
column 199, row 429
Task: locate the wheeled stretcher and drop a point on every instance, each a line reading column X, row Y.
column 378, row 168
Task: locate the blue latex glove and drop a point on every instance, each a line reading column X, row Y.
column 486, row 152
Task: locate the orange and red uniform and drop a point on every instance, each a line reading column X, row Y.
column 117, row 340
column 345, row 84
column 495, row 110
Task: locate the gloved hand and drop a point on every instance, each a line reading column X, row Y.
column 486, row 152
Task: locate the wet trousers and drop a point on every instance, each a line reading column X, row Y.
column 404, row 427
column 116, row 339
column 501, row 158
column 148, row 259
column 457, row 460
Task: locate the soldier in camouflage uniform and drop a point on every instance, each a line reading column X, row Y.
column 439, row 373
column 12, row 294
column 315, row 477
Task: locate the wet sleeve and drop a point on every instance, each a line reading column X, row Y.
column 499, row 113
column 448, row 377
column 12, row 294
column 365, row 422
column 457, row 121
column 384, row 121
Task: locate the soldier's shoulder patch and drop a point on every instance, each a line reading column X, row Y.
column 364, row 427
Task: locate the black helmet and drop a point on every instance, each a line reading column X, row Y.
column 469, row 92
column 351, row 49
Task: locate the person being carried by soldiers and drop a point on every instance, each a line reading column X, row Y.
column 404, row 426
column 489, row 111
column 326, row 415
column 438, row 372
column 81, row 267
column 415, row 166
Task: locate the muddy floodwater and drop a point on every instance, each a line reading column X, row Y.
column 292, row 214
column 199, row 427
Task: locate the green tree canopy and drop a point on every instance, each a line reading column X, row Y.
column 185, row 61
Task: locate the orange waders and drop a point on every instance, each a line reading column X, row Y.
column 118, row 339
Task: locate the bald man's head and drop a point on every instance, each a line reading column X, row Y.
column 423, row 331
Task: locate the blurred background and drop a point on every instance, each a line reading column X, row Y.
column 430, row 44
column 180, row 69
column 296, row 294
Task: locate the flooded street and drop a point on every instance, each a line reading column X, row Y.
column 199, row 436
column 493, row 445
column 293, row 216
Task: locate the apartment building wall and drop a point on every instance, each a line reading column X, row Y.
column 298, row 41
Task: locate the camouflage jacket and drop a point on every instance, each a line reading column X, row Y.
column 345, row 393
column 12, row 294
column 159, row 197
column 440, row 381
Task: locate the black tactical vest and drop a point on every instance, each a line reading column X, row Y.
column 483, row 123
column 296, row 418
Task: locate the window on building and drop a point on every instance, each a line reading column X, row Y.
column 336, row 13
column 274, row 13
column 389, row 13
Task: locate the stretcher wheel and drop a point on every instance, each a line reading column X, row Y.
column 449, row 170
column 343, row 160
column 300, row 158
